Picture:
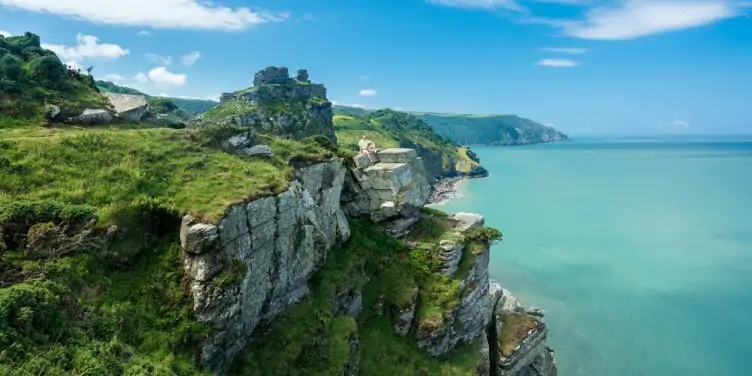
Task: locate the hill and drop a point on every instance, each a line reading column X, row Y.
column 35, row 86
column 466, row 129
column 388, row 128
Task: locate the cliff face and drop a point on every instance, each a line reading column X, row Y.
column 245, row 271
column 257, row 262
column 277, row 104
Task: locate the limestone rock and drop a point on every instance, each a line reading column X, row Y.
column 259, row 150
column 391, row 189
column 128, row 107
column 302, row 75
column 402, row 318
column 92, row 116
column 469, row 220
column 51, row 110
column 282, row 240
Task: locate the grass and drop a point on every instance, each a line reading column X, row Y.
column 514, row 330
column 228, row 108
column 108, row 168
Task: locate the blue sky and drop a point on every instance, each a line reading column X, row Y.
column 584, row 66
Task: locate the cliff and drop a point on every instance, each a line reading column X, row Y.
column 235, row 249
column 276, row 104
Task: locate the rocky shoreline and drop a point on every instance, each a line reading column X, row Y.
column 444, row 189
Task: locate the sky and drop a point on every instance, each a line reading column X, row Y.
column 582, row 66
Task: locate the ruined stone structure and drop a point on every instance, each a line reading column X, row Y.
column 278, row 104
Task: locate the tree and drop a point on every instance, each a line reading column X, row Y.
column 48, row 69
column 10, row 68
column 89, row 69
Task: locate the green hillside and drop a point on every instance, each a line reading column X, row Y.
column 467, row 129
column 31, row 77
column 389, row 128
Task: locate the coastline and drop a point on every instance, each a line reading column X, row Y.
column 444, row 190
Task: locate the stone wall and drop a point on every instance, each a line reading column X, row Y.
column 244, row 271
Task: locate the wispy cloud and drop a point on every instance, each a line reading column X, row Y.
column 557, row 63
column 367, row 92
column 638, row 18
column 675, row 124
column 143, row 33
column 87, row 47
column 356, row 105
column 478, row 4
column 164, row 14
column 114, row 77
column 190, row 58
column 5, row 33
column 159, row 59
column 565, row 50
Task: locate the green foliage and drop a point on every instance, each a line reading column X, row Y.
column 489, row 129
column 48, row 70
column 10, row 68
column 233, row 275
column 109, row 87
column 31, row 76
column 485, row 235
column 389, row 128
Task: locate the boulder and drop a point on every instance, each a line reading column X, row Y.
column 259, row 150
column 128, row 107
column 92, row 116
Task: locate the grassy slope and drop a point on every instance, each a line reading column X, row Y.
column 22, row 99
column 467, row 129
column 387, row 128
column 119, row 310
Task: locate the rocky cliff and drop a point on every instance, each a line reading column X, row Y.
column 277, row 104
column 257, row 262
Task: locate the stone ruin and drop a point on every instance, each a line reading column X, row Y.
column 275, row 83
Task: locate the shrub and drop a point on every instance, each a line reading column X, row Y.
column 10, row 67
column 49, row 70
column 485, row 235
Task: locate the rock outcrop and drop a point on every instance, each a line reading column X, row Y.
column 128, row 107
column 278, row 104
column 388, row 185
column 244, row 271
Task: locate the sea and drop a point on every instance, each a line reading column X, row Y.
column 639, row 249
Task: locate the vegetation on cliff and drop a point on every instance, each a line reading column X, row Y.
column 466, row 129
column 309, row 340
column 90, row 279
column 389, row 128
column 31, row 77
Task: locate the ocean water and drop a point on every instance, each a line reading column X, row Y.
column 639, row 249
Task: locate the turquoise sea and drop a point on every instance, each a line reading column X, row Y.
column 639, row 249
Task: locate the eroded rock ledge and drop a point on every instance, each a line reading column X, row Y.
column 244, row 271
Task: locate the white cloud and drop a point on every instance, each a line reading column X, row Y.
column 114, row 77
column 479, row 4
column 143, row 33
column 161, row 76
column 159, row 59
column 190, row 59
column 364, row 77
column 165, row 14
column 565, row 50
column 638, row 18
column 213, row 97
column 5, row 33
column 356, row 105
column 87, row 47
column 367, row 92
column 557, row 63
column 141, row 78
column 680, row 123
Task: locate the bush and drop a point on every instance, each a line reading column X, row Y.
column 485, row 235
column 49, row 70
column 10, row 67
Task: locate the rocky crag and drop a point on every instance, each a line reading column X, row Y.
column 257, row 261
column 277, row 104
